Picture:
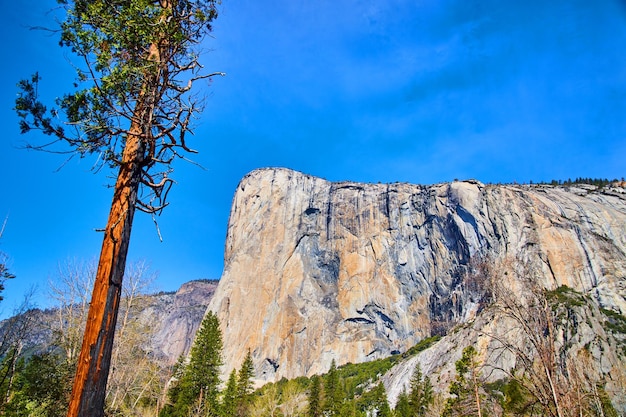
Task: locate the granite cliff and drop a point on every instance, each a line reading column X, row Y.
column 318, row 270
column 177, row 317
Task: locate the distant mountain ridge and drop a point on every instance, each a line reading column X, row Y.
column 317, row 271
column 173, row 317
column 178, row 316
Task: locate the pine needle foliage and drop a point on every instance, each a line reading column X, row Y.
column 198, row 386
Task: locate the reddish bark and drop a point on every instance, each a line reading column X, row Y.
column 89, row 390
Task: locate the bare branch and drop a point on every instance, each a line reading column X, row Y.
column 158, row 185
column 4, row 225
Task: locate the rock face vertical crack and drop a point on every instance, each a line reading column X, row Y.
column 376, row 268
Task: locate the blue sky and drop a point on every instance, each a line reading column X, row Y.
column 415, row 91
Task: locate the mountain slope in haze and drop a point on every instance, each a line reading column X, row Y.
column 170, row 318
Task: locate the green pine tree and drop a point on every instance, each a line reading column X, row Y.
column 381, row 405
column 198, row 386
column 130, row 108
column 333, row 395
column 403, row 407
column 229, row 397
column 245, row 386
column 349, row 409
column 315, row 397
column 421, row 395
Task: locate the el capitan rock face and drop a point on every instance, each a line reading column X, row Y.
column 316, row 270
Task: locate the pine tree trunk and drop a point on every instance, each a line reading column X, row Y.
column 89, row 390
